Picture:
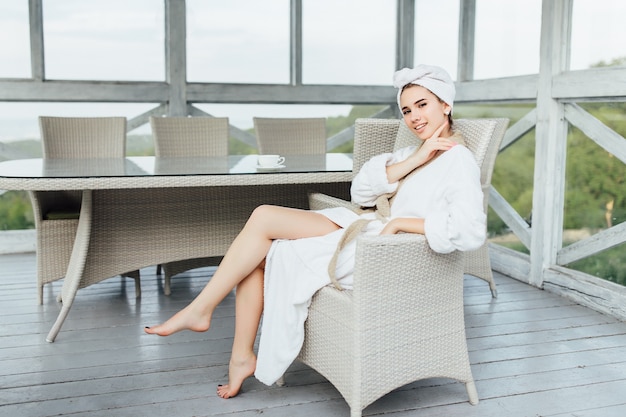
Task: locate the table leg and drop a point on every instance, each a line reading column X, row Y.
column 77, row 263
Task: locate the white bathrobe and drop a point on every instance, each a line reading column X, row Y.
column 446, row 193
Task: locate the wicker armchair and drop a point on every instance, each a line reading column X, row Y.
column 482, row 137
column 188, row 136
column 56, row 212
column 403, row 321
column 290, row 136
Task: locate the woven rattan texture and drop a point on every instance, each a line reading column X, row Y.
column 188, row 137
column 68, row 137
column 402, row 322
column 289, row 136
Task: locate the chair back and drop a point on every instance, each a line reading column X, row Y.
column 482, row 138
column 83, row 137
column 289, row 136
column 372, row 137
column 190, row 136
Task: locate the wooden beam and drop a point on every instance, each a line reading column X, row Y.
column 592, row 84
column 37, row 56
column 587, row 290
column 144, row 118
column 519, row 129
column 405, row 33
column 295, row 43
column 596, row 243
column 286, row 94
column 512, row 89
column 551, row 141
column 467, row 36
column 176, row 56
column 597, row 131
column 509, row 216
column 83, row 91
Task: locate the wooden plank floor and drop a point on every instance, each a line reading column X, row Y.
column 533, row 354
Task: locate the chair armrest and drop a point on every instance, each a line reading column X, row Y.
column 319, row 201
column 399, row 273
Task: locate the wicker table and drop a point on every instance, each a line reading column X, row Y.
column 141, row 211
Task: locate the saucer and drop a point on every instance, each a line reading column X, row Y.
column 270, row 168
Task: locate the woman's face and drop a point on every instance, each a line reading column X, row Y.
column 423, row 111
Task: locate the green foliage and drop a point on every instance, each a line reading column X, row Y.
column 15, row 211
column 595, row 179
column 609, row 265
column 139, row 145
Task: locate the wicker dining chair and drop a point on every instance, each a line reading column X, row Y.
column 56, row 213
column 482, row 137
column 289, row 136
column 181, row 137
column 404, row 319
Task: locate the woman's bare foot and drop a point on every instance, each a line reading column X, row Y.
column 238, row 371
column 186, row 319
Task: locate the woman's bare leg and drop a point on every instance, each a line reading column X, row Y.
column 248, row 309
column 245, row 254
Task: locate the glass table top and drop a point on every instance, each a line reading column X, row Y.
column 140, row 166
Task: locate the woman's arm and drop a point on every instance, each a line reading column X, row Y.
column 423, row 154
column 381, row 174
column 403, row 224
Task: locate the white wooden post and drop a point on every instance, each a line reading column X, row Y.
column 551, row 141
column 176, row 56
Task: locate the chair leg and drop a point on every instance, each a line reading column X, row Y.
column 137, row 277
column 137, row 287
column 40, row 293
column 494, row 290
column 167, row 289
column 159, row 268
column 471, row 392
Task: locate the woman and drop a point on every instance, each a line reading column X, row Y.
column 281, row 256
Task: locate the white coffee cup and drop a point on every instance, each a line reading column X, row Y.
column 270, row 161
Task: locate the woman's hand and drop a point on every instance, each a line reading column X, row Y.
column 422, row 155
column 431, row 145
column 403, row 224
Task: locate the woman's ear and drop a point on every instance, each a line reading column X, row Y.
column 446, row 109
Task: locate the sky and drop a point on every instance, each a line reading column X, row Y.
column 345, row 42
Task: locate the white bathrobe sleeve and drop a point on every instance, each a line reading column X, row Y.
column 371, row 180
column 459, row 221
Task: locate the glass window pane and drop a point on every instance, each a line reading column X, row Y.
column 507, row 38
column 348, row 42
column 609, row 264
column 104, row 40
column 238, row 41
column 14, row 40
column 338, row 118
column 440, row 19
column 598, row 34
column 19, row 121
column 595, row 193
